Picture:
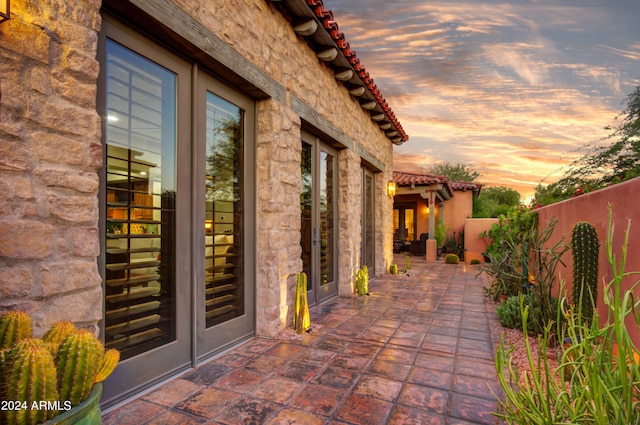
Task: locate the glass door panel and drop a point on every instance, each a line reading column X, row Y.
column 140, row 311
column 306, row 208
column 327, row 211
column 368, row 220
column 223, row 210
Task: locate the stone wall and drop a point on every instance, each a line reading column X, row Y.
column 50, row 151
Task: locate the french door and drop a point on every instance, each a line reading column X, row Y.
column 318, row 218
column 177, row 212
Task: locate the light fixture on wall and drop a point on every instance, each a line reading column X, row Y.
column 4, row 10
column 391, row 189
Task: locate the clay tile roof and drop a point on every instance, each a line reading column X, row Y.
column 408, row 179
column 466, row 186
column 330, row 26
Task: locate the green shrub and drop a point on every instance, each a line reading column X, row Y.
column 451, row 259
column 475, row 261
column 510, row 312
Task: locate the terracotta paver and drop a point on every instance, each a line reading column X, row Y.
column 418, row 350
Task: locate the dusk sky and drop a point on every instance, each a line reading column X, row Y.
column 512, row 88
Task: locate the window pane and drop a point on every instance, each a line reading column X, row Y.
column 140, row 179
column 306, row 222
column 223, row 282
column 327, row 213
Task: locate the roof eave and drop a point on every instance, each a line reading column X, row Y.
column 327, row 36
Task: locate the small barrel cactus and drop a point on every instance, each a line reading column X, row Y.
column 451, row 259
column 585, row 248
column 393, row 269
column 79, row 358
column 30, row 378
column 14, row 326
column 109, row 363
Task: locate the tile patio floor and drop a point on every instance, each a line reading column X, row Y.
column 417, row 350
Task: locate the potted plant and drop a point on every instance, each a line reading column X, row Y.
column 55, row 379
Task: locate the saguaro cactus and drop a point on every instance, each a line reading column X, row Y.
column 30, row 378
column 585, row 249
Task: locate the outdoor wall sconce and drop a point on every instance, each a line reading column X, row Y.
column 391, row 189
column 4, row 10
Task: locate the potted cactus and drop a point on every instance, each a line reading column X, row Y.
column 55, row 379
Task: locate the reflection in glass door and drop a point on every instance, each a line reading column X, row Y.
column 368, row 220
column 226, row 305
column 318, row 218
column 140, row 229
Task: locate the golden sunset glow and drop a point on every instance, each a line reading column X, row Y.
column 514, row 89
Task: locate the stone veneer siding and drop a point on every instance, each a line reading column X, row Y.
column 50, row 152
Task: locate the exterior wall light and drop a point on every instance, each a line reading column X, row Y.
column 4, row 10
column 391, row 189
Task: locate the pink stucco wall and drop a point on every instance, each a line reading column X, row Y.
column 458, row 209
column 593, row 207
column 474, row 245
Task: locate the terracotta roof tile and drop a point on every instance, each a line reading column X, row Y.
column 325, row 16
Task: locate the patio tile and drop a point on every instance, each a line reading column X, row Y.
column 173, row 392
column 300, row 371
column 398, row 355
column 172, row 417
column 284, row 349
column 405, row 415
column 208, row 373
column 239, row 380
column 444, row 363
column 361, row 410
column 234, row 359
column 278, row 390
column 431, row 399
column 318, row 399
column 209, row 402
column 365, row 350
column 404, row 342
column 351, row 362
column 391, row 370
column 336, row 378
column 473, row 409
column 430, row 378
column 378, row 387
column 295, row 417
column 478, row 387
column 133, row 413
column 316, row 355
column 265, row 364
column 248, row 411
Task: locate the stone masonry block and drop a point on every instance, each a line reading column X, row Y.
column 15, row 282
column 25, row 239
